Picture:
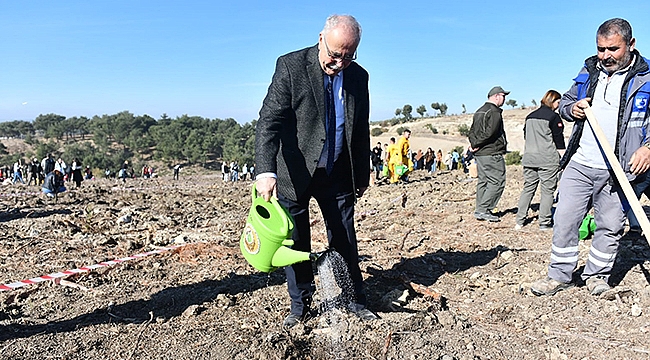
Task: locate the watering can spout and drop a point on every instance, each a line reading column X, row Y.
column 285, row 256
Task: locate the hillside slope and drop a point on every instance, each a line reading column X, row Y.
column 422, row 137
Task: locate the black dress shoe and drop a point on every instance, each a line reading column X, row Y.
column 291, row 321
column 364, row 314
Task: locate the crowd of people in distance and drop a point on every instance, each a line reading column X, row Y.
column 48, row 173
column 148, row 172
column 395, row 160
column 51, row 175
column 232, row 172
column 128, row 172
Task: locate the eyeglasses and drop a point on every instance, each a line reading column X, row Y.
column 339, row 57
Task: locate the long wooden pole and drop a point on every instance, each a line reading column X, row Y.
column 619, row 173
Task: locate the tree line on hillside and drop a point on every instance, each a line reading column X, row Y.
column 405, row 113
column 107, row 141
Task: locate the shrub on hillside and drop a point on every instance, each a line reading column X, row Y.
column 513, row 158
column 376, row 131
column 430, row 127
column 463, row 129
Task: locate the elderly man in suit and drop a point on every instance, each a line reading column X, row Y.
column 313, row 140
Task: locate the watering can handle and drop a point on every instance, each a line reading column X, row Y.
column 274, row 201
column 253, row 192
column 255, row 195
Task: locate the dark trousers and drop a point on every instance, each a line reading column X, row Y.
column 641, row 185
column 376, row 167
column 335, row 198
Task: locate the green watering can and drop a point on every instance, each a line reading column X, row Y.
column 266, row 238
column 587, row 227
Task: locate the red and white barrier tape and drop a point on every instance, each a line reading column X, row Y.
column 18, row 284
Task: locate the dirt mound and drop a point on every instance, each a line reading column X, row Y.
column 445, row 285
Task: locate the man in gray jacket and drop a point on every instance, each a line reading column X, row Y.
column 487, row 138
column 615, row 82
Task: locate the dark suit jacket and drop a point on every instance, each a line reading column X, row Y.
column 290, row 132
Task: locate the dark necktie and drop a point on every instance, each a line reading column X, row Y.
column 331, row 127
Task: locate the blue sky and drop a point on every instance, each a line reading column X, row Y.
column 215, row 58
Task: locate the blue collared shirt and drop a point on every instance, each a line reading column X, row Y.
column 337, row 87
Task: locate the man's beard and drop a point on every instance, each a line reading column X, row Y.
column 612, row 65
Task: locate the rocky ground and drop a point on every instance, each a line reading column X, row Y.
column 445, row 285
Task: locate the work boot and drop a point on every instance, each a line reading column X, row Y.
column 545, row 227
column 596, row 285
column 486, row 216
column 548, row 286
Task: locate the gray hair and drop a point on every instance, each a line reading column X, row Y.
column 346, row 21
column 616, row 26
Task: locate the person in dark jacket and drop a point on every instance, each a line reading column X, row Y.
column 375, row 157
column 544, row 136
column 34, row 171
column 77, row 175
column 313, row 141
column 47, row 164
column 53, row 184
column 488, row 140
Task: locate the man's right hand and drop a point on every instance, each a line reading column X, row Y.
column 267, row 187
column 578, row 109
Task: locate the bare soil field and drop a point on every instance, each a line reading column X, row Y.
column 445, row 285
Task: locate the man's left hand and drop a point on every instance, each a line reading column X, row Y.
column 361, row 191
column 640, row 161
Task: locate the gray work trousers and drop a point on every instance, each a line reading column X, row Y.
column 491, row 181
column 580, row 187
column 546, row 177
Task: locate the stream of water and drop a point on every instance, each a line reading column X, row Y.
column 337, row 296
